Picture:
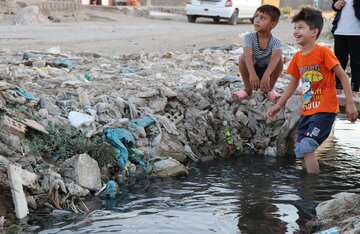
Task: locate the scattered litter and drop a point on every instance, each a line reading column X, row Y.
column 120, row 137
column 333, row 230
column 67, row 63
column 24, row 94
column 78, row 119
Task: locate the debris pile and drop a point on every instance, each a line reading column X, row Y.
column 151, row 113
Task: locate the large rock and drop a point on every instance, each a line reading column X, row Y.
column 83, row 170
column 171, row 146
column 169, row 167
column 339, row 215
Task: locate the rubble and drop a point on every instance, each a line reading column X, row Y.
column 154, row 112
column 338, row 215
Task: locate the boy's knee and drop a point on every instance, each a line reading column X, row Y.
column 306, row 145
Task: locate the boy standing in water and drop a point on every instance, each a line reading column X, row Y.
column 316, row 67
column 261, row 64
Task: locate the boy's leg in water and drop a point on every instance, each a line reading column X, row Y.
column 311, row 163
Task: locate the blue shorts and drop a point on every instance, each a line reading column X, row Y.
column 260, row 70
column 313, row 130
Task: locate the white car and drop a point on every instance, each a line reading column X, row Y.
column 231, row 10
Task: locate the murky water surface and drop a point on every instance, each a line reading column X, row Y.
column 239, row 195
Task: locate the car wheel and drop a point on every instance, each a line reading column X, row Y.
column 216, row 20
column 234, row 18
column 191, row 18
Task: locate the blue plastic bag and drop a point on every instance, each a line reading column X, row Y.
column 118, row 137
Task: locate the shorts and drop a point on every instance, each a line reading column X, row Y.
column 260, row 70
column 313, row 130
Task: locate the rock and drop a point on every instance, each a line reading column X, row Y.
column 83, row 170
column 171, row 146
column 36, row 126
column 4, row 72
column 76, row 190
column 340, row 215
column 169, row 167
column 270, row 151
column 327, row 208
column 50, row 106
column 31, row 202
column 12, row 126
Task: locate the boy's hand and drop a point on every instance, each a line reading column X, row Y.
column 265, row 83
column 339, row 4
column 254, row 82
column 272, row 112
column 351, row 112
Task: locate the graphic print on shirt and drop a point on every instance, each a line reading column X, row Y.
column 311, row 77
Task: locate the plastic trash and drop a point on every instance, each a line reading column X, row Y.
column 136, row 157
column 78, row 119
column 67, row 63
column 333, row 230
column 87, row 77
column 55, row 157
column 110, row 189
column 118, row 137
column 54, row 50
column 125, row 70
column 145, row 121
column 61, row 213
column 188, row 81
column 218, row 48
column 28, row 55
column 232, row 79
column 24, row 94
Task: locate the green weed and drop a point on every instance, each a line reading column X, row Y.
column 67, row 141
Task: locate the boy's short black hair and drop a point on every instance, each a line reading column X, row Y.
column 311, row 17
column 270, row 10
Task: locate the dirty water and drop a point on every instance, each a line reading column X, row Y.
column 240, row 195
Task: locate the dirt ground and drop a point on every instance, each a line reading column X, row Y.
column 114, row 33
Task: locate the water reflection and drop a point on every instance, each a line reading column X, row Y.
column 242, row 195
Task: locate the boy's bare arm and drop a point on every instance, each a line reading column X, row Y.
column 248, row 55
column 273, row 62
column 351, row 110
column 254, row 79
column 289, row 91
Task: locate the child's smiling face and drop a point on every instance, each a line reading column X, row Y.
column 302, row 33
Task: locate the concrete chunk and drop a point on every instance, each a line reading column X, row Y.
column 17, row 178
